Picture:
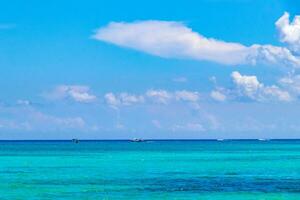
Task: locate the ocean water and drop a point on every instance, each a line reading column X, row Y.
column 207, row 170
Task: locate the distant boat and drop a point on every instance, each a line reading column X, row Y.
column 263, row 139
column 220, row 139
column 75, row 140
column 137, row 140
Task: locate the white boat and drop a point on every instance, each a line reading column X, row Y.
column 263, row 139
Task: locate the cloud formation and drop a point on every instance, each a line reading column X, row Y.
column 249, row 86
column 159, row 96
column 217, row 95
column 155, row 96
column 289, row 31
column 291, row 83
column 185, row 95
column 122, row 99
column 172, row 39
column 76, row 93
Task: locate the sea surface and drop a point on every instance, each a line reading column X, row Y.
column 208, row 170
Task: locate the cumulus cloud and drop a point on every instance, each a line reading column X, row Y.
column 289, row 31
column 291, row 83
column 128, row 99
column 111, row 99
column 172, row 39
column 76, row 93
column 218, row 95
column 277, row 93
column 247, row 85
column 185, row 95
column 155, row 96
column 123, row 99
column 159, row 96
column 274, row 55
column 164, row 97
column 250, row 87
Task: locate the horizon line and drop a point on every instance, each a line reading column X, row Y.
column 145, row 140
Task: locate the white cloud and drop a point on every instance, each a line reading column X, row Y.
column 289, row 31
column 159, row 96
column 247, row 85
column 274, row 55
column 164, row 97
column 123, row 99
column 291, row 83
column 217, row 95
column 76, row 93
column 111, row 99
column 250, row 87
column 185, row 95
column 171, row 39
column 277, row 93
column 156, row 96
column 129, row 99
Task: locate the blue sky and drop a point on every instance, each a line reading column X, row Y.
column 150, row 69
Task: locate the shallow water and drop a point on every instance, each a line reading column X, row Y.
column 150, row 170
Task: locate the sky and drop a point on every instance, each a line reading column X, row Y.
column 200, row 69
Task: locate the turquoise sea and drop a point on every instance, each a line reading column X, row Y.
column 221, row 170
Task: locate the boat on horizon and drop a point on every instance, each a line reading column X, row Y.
column 263, row 139
column 137, row 140
column 75, row 140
